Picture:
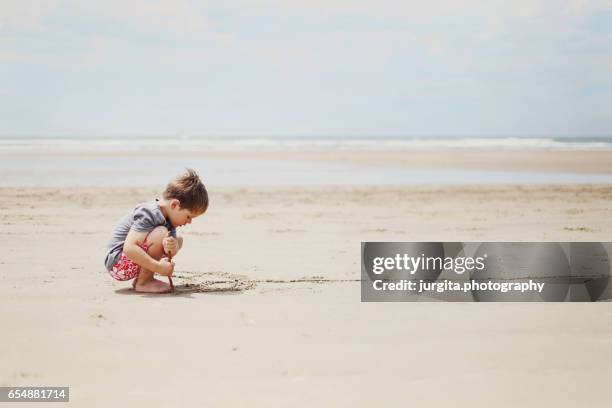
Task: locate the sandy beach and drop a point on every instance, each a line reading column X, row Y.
column 410, row 203
column 268, row 309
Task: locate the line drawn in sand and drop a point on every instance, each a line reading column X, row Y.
column 187, row 282
column 203, row 282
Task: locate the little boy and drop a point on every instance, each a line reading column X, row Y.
column 145, row 239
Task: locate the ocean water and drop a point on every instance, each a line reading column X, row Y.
column 141, row 171
column 194, row 144
column 36, row 162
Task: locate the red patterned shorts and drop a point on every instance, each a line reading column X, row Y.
column 125, row 268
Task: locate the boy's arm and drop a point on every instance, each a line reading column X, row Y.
column 132, row 249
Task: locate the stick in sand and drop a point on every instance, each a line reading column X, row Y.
column 170, row 277
column 170, row 234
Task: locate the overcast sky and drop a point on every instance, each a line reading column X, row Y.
column 310, row 67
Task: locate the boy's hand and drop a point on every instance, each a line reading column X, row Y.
column 170, row 244
column 165, row 267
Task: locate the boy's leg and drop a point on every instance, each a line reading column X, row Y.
column 145, row 282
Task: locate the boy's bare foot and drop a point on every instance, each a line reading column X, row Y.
column 152, row 286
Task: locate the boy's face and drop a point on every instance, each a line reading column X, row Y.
column 181, row 216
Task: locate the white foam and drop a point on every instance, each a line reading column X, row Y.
column 40, row 145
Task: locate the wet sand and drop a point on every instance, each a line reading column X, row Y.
column 537, row 160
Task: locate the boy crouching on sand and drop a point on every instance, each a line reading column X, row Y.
column 145, row 239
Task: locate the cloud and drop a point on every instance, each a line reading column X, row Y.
column 193, row 18
column 178, row 17
column 400, row 65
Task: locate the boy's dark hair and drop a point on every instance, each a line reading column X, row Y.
column 189, row 190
